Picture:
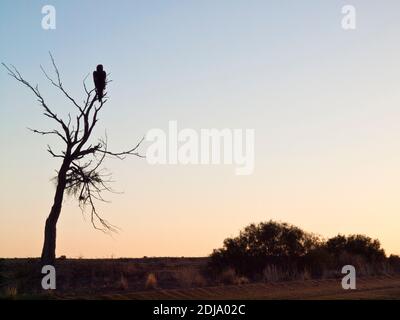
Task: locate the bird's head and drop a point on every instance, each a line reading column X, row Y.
column 99, row 67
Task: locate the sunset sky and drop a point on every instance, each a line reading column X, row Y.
column 324, row 103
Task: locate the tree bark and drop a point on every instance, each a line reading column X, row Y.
column 49, row 247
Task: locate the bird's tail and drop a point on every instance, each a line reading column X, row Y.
column 100, row 96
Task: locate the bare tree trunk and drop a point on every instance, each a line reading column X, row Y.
column 49, row 246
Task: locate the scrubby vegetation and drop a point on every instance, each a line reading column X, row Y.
column 267, row 252
column 21, row 278
column 279, row 251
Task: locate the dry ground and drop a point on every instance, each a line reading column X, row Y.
column 367, row 288
column 170, row 278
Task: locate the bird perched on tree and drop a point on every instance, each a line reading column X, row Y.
column 99, row 78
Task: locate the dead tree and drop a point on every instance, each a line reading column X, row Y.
column 80, row 173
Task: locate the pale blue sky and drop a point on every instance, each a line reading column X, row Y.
column 324, row 103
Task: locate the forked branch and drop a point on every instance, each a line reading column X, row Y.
column 80, row 172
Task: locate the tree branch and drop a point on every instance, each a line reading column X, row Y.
column 49, row 132
column 59, row 84
column 82, row 178
column 121, row 155
column 13, row 72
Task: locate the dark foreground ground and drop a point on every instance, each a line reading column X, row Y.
column 172, row 278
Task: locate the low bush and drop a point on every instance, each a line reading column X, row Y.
column 274, row 251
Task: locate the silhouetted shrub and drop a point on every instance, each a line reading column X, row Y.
column 394, row 263
column 318, row 260
column 359, row 245
column 275, row 251
column 257, row 246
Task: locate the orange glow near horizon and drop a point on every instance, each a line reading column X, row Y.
column 324, row 104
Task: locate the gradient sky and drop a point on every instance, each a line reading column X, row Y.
column 324, row 102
